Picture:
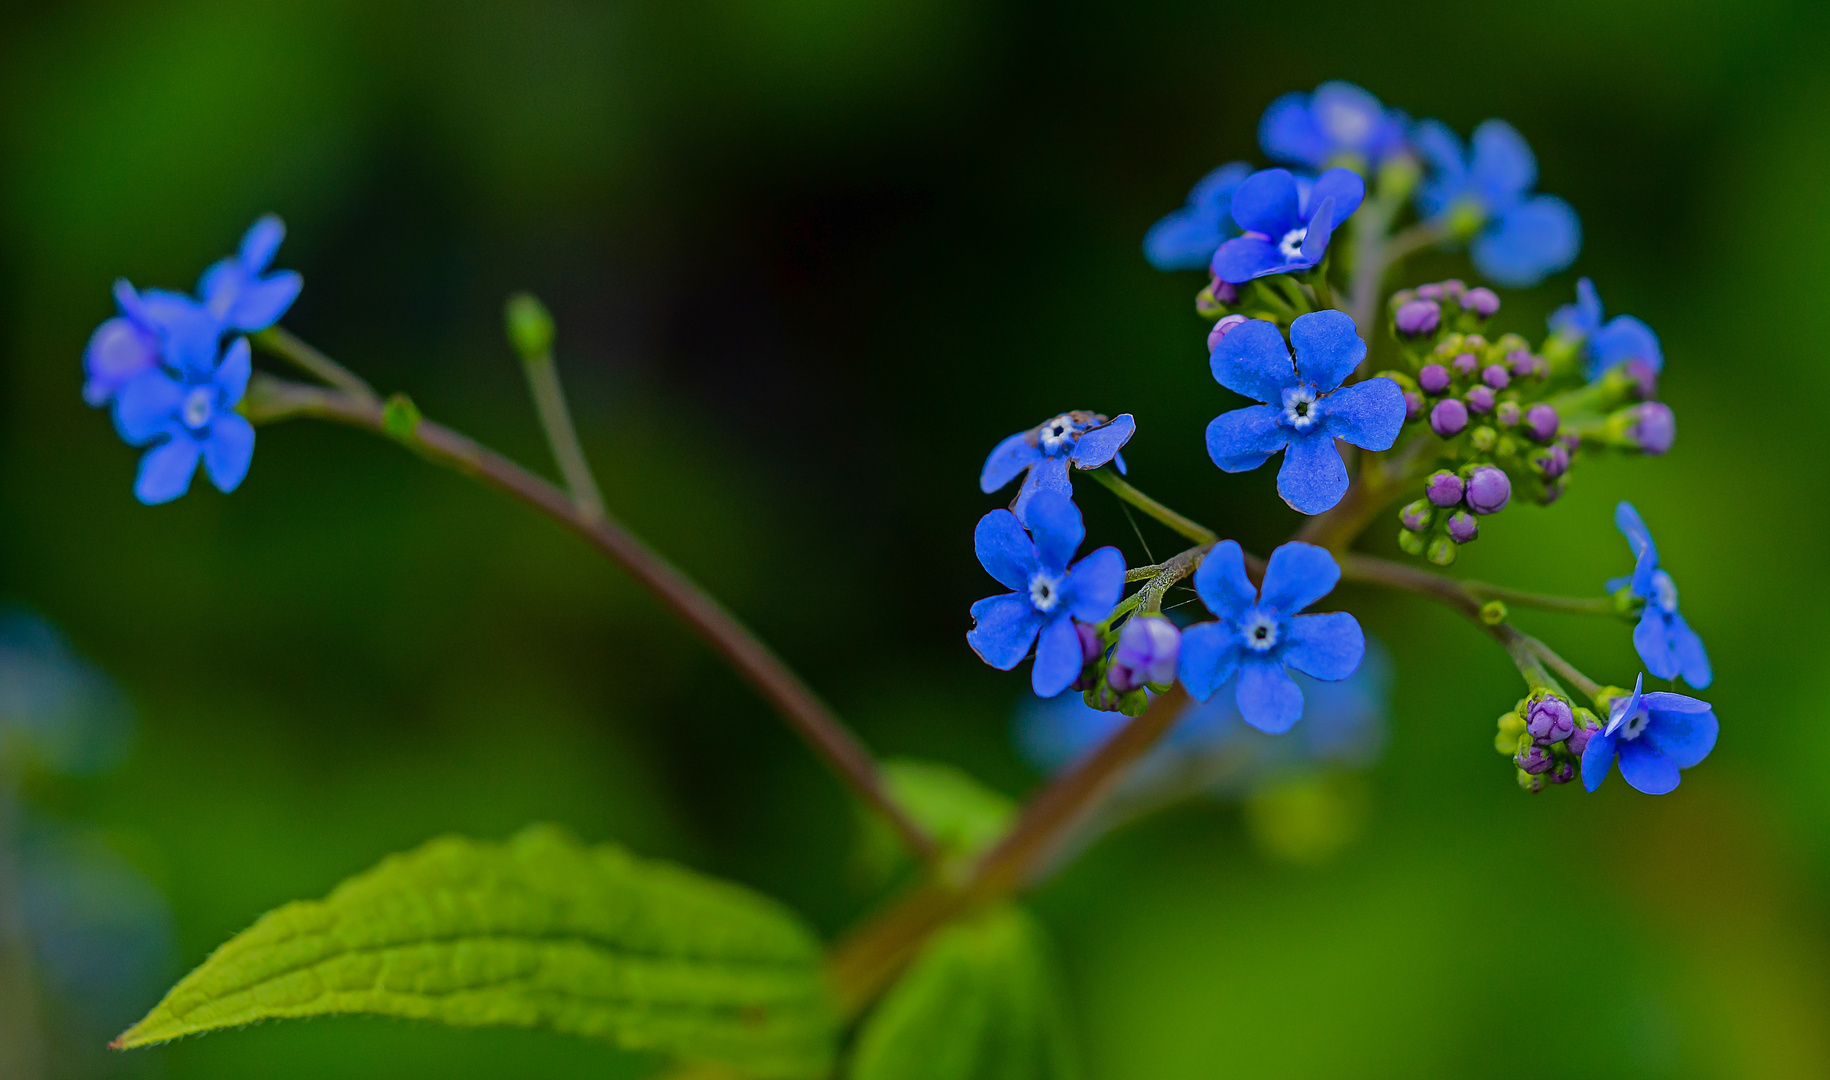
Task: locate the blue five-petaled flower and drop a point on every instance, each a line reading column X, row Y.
column 1049, row 593
column 1305, row 406
column 1484, row 193
column 1260, row 632
column 1085, row 440
column 1654, row 735
column 1286, row 227
column 1339, row 124
column 1664, row 640
column 173, row 386
column 1186, row 239
column 1621, row 340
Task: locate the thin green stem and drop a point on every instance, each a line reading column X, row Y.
column 1566, row 669
column 270, row 399
column 1149, row 599
column 1193, row 530
column 1574, row 605
column 561, row 435
column 278, row 341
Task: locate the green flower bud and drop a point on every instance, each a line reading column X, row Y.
column 1409, row 542
column 400, row 418
column 1494, row 612
column 530, row 326
column 1529, row 783
column 1441, row 551
column 1484, row 438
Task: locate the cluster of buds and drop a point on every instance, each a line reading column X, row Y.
column 1436, row 525
column 1117, row 667
column 1545, row 735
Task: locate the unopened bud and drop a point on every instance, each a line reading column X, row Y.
column 1541, row 422
column 1413, row 406
column 1563, row 773
column 1418, row 317
column 1550, row 720
column 1444, row 488
column 1416, row 516
column 1645, row 380
column 1554, row 461
column 1409, row 542
column 1524, row 364
column 1488, row 490
column 530, row 326
column 1655, row 427
column 1462, row 527
column 1465, row 363
column 1484, row 303
column 1434, row 379
column 1496, row 376
column 1535, row 760
column 1511, row 727
column 1507, row 413
column 1090, row 646
column 1221, row 329
column 1484, row 438
column 1147, row 650
column 1530, row 784
column 1448, row 418
column 1441, row 551
column 1494, row 612
column 1480, row 399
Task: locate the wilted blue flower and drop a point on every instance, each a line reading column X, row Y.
column 1306, row 407
column 1087, row 440
column 1050, row 594
column 1186, row 239
column 1286, row 228
column 1259, row 632
column 1665, row 641
column 1654, row 735
column 188, row 416
column 239, row 291
column 1484, row 193
column 1340, row 124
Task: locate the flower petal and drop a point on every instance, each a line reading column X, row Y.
column 1253, row 360
column 1047, row 474
column 1007, row 459
column 1313, row 477
column 1686, row 737
column 1055, row 525
column 1184, row 239
column 1528, row 242
column 261, row 302
column 1653, row 643
column 1597, row 759
column 1267, row 203
column 1633, row 527
column 228, row 450
column 117, row 351
column 1288, row 132
column 1329, row 646
column 1221, row 583
column 1246, row 257
column 1298, row 575
column 166, row 470
column 1058, row 658
column 1210, row 656
column 1624, row 338
column 1267, row 697
column 1005, row 550
column 1246, row 438
column 1101, row 444
column 1501, row 165
column 1097, row 582
column 1442, row 149
column 146, row 406
column 1687, row 646
column 1004, row 628
column 1368, row 414
column 1328, row 348
column 1345, row 187
column 1646, row 769
column 232, row 375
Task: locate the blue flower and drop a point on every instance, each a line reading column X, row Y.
column 1485, row 194
column 1186, row 239
column 1087, row 440
column 1286, row 229
column 1306, row 407
column 1339, row 124
column 188, row 416
column 1654, row 735
column 239, row 291
column 1665, row 641
column 1050, row 594
column 1622, row 340
column 1260, row 632
column 153, row 327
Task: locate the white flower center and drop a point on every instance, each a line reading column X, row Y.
column 1630, row 727
column 1259, row 631
column 197, row 407
column 1057, row 433
column 1044, row 591
column 1292, row 243
column 1299, row 407
column 1664, row 591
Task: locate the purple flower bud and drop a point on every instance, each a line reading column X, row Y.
column 1488, row 490
column 1443, row 488
column 1465, row 363
column 1654, row 429
column 1644, row 378
column 1090, row 648
column 1541, row 422
column 1507, row 414
column 1480, row 399
column 1578, row 740
column 1416, row 516
column 1570, row 441
column 1453, row 287
column 1223, row 292
column 1554, row 461
column 1147, row 650
column 1434, row 378
column 1419, row 317
column 1553, row 490
column 1463, row 527
column 1563, row 773
column 1432, row 291
column 1484, row 303
column 1523, row 363
column 1537, row 760
column 1448, row 417
column 1495, row 375
column 1473, row 342
column 1221, row 329
column 1413, row 405
column 1550, row 720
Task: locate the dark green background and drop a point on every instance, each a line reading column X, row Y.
column 811, row 259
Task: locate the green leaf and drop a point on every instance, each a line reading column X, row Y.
column 962, row 815
column 979, row 1003
column 538, row 932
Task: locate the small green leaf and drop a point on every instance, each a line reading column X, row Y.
column 979, row 1003
column 400, row 418
column 962, row 815
column 538, row 932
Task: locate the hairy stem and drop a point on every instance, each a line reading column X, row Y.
column 561, row 436
column 1149, row 599
column 278, row 341
column 1117, row 484
column 270, row 399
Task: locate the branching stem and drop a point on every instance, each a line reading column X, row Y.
column 562, row 436
column 1187, row 527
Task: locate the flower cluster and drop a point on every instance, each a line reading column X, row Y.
column 163, row 367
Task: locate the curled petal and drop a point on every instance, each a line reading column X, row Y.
column 1367, row 414
column 1246, row 438
column 1328, row 348
column 1100, row 445
column 1097, row 582
column 1008, row 459
column 1004, row 629
column 1298, row 575
column 1005, row 550
column 1210, row 656
column 1267, row 697
column 1633, row 527
column 1058, row 658
column 1243, row 258
column 166, row 470
column 1315, row 237
column 1221, row 583
column 1253, row 360
column 1048, row 474
column 1313, row 477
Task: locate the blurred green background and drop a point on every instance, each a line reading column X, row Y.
column 811, row 259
